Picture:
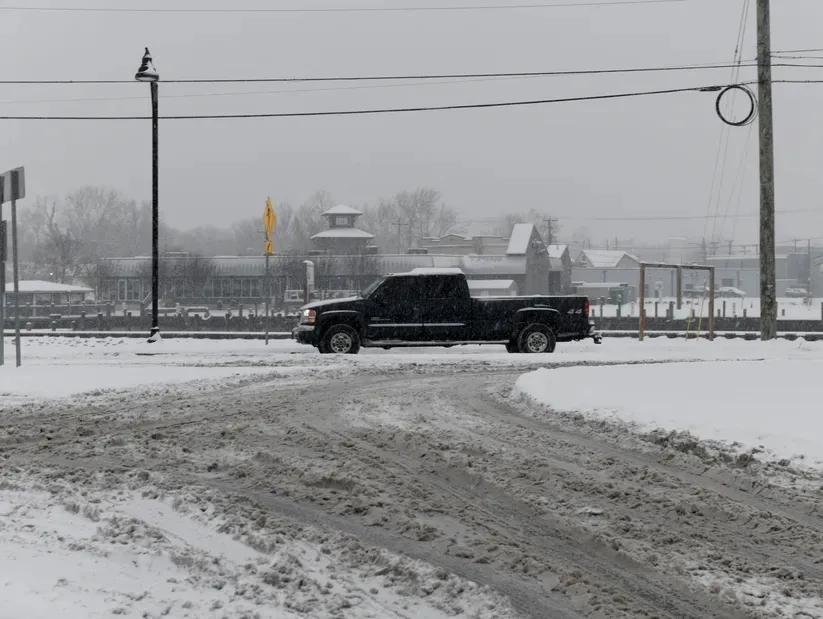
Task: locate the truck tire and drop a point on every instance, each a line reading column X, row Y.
column 339, row 340
column 536, row 339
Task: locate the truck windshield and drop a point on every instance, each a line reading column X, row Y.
column 371, row 287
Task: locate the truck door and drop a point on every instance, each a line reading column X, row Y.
column 394, row 311
column 447, row 308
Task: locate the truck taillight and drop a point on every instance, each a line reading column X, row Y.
column 586, row 307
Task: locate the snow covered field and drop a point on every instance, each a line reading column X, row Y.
column 770, row 406
column 62, row 367
column 197, row 478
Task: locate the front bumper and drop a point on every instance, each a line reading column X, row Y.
column 304, row 334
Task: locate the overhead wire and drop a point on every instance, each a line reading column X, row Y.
column 718, row 175
column 342, row 9
column 396, row 110
column 653, row 217
column 735, row 75
column 164, row 96
column 379, row 78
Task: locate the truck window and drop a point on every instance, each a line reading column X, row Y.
column 446, row 287
column 398, row 290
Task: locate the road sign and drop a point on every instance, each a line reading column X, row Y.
column 10, row 190
column 268, row 218
column 268, row 247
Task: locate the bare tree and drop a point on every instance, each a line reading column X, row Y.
column 57, row 251
column 362, row 268
column 325, row 267
column 191, row 274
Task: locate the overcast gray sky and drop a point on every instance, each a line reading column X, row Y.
column 637, row 157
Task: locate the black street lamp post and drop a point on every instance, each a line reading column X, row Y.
column 147, row 73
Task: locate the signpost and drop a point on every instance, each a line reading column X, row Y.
column 269, row 220
column 12, row 189
column 309, row 279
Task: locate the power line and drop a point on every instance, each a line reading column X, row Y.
column 258, row 92
column 796, row 51
column 353, row 9
column 421, row 76
column 651, row 217
column 469, row 106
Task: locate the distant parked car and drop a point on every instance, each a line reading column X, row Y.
column 731, row 292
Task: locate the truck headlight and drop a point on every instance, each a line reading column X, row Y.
column 309, row 316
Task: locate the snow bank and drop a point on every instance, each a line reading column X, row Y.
column 768, row 405
column 28, row 383
column 84, row 554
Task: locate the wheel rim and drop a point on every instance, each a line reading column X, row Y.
column 537, row 342
column 340, row 343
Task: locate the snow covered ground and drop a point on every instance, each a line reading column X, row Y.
column 70, row 548
column 401, row 445
column 61, row 367
column 770, row 406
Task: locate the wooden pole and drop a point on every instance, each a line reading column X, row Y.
column 711, row 303
column 642, row 301
column 768, row 283
column 679, row 288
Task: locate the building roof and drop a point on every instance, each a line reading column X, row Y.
column 743, row 257
column 434, row 271
column 604, row 258
column 343, row 233
column 342, row 209
column 37, row 286
column 557, row 251
column 519, row 240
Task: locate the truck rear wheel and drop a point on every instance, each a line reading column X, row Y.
column 537, row 339
column 339, row 340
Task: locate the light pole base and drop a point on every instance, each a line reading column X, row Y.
column 154, row 336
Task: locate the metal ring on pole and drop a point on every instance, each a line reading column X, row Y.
column 749, row 118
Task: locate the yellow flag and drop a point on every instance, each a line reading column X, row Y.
column 269, row 218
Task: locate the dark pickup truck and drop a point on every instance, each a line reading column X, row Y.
column 433, row 307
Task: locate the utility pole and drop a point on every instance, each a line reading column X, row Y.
column 398, row 225
column 809, row 250
column 549, row 221
column 768, row 284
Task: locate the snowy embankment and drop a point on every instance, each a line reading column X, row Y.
column 71, row 548
column 762, row 407
column 66, row 367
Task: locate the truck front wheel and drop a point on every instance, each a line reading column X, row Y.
column 536, row 339
column 339, row 340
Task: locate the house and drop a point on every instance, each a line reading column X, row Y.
column 525, row 241
column 342, row 237
column 38, row 293
column 463, row 245
column 606, row 259
column 560, row 275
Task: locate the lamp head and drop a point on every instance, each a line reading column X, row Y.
column 147, row 72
